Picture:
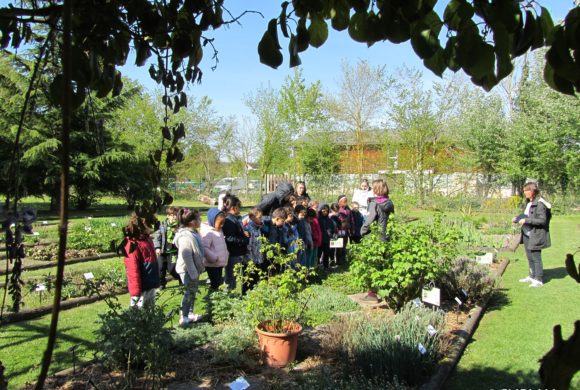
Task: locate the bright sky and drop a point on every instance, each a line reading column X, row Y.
column 240, row 73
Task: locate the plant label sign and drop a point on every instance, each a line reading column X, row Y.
column 431, row 296
column 35, row 233
column 431, row 330
column 458, row 301
column 88, row 275
column 239, row 384
column 422, row 349
column 338, row 243
column 40, row 287
column 485, row 259
column 45, row 222
column 113, row 224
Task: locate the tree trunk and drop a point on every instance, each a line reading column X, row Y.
column 64, row 194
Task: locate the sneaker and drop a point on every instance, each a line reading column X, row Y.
column 184, row 321
column 194, row 317
column 536, row 283
column 526, row 280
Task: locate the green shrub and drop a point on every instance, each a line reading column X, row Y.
column 232, row 342
column 475, row 279
column 224, row 306
column 184, row 339
column 95, row 233
column 324, row 303
column 417, row 253
column 135, row 340
column 342, row 282
column 379, row 347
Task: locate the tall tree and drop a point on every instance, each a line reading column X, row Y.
column 415, row 121
column 360, row 103
column 274, row 144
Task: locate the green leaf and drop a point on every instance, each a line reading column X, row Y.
column 283, row 20
column 484, row 61
column 318, row 31
column 425, row 43
column 293, row 50
column 436, row 63
column 523, row 37
column 269, row 48
column 457, row 13
column 502, row 44
column 302, row 36
column 357, row 28
column 547, row 25
column 556, row 82
column 340, row 15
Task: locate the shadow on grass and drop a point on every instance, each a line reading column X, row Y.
column 498, row 300
column 492, row 378
column 554, row 273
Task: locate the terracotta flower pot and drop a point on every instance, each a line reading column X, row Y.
column 278, row 349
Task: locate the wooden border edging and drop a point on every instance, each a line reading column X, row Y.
column 445, row 368
column 31, row 314
column 50, row 264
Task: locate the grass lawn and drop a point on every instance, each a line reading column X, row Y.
column 22, row 344
column 516, row 330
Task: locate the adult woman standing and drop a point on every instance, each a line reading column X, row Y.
column 380, row 209
column 236, row 238
column 535, row 225
column 189, row 263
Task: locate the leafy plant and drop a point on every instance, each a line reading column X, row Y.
column 378, row 346
column 416, row 253
column 475, row 279
column 184, row 339
column 276, row 298
column 135, row 339
column 324, row 303
column 225, row 306
column 231, row 342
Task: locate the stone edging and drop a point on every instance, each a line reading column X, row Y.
column 445, row 368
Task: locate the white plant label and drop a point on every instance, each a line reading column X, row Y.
column 35, row 233
column 89, row 217
column 45, row 222
column 485, row 259
column 89, row 275
column 432, row 296
column 40, row 287
column 239, row 384
column 417, row 302
column 464, row 293
column 113, row 224
column 422, row 349
column 431, row 330
column 458, row 301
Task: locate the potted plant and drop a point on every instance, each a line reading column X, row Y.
column 276, row 304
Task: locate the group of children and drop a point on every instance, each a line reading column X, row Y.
column 315, row 233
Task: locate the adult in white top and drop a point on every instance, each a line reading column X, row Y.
column 361, row 196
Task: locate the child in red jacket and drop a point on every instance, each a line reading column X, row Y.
column 140, row 262
column 316, row 238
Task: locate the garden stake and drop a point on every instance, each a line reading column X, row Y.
column 73, row 349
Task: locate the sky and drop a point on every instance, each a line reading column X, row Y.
column 239, row 72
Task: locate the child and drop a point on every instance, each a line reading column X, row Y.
column 328, row 230
column 236, row 238
column 292, row 227
column 253, row 225
column 316, row 238
column 189, row 263
column 334, row 208
column 359, row 220
column 305, row 234
column 140, row 263
column 163, row 242
column 214, row 247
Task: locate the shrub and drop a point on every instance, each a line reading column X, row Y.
column 135, row 340
column 184, row 339
column 475, row 279
column 342, row 282
column 324, row 303
column 224, row 306
column 416, row 254
column 231, row 343
column 378, row 347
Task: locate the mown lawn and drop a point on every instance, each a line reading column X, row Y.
column 517, row 330
column 22, row 344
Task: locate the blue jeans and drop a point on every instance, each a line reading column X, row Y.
column 230, row 277
column 189, row 291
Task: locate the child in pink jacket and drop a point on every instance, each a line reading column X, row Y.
column 214, row 245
